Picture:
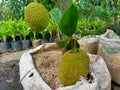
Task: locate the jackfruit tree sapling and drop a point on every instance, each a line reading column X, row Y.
column 74, row 62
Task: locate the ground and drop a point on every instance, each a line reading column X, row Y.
column 9, row 71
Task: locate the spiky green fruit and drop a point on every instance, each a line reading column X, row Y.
column 36, row 16
column 73, row 66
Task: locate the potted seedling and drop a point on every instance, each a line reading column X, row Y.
column 50, row 29
column 55, row 17
column 13, row 32
column 35, row 41
column 4, row 45
column 24, row 30
column 44, row 33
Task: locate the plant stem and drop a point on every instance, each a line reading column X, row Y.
column 58, row 32
column 70, row 3
column 4, row 38
column 13, row 39
column 35, row 0
column 34, row 35
column 73, row 44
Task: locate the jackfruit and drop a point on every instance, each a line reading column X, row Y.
column 36, row 16
column 73, row 66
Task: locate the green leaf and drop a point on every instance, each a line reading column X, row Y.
column 56, row 14
column 90, row 32
column 66, row 44
column 63, row 43
column 44, row 33
column 69, row 21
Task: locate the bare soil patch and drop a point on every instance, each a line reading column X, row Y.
column 9, row 70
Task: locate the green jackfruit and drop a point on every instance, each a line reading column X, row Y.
column 36, row 16
column 73, row 66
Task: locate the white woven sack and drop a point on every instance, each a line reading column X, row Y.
column 32, row 80
column 109, row 49
column 89, row 43
column 110, row 42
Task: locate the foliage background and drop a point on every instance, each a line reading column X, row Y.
column 94, row 14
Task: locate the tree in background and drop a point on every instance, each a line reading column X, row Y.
column 14, row 9
column 92, row 12
column 115, row 7
column 49, row 4
column 11, row 9
column 95, row 16
column 5, row 12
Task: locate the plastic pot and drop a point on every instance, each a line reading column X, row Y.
column 51, row 40
column 43, row 41
column 16, row 46
column 4, row 47
column 36, row 43
column 25, row 44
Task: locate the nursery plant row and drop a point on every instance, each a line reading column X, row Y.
column 21, row 45
column 16, row 35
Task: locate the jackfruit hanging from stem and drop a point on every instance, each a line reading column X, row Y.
column 73, row 66
column 74, row 62
column 36, row 16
